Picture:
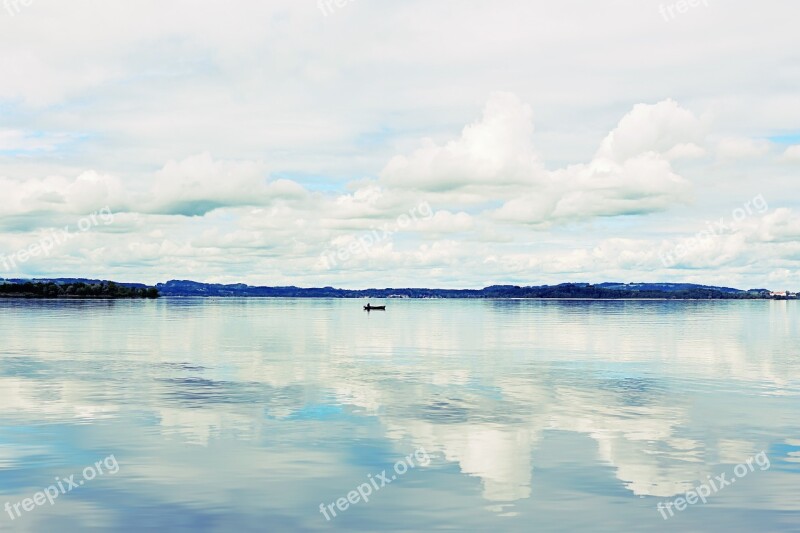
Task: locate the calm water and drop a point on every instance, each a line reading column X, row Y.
column 246, row 415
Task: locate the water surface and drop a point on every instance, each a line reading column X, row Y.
column 248, row 414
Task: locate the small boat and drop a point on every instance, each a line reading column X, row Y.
column 370, row 307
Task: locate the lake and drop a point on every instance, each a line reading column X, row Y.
column 458, row 415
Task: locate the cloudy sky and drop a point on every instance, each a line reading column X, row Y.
column 380, row 143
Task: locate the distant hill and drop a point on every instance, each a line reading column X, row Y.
column 664, row 287
column 565, row 290
column 187, row 288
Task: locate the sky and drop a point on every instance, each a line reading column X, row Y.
column 375, row 143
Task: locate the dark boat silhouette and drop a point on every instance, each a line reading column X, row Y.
column 370, row 307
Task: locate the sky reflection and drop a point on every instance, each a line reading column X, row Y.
column 253, row 412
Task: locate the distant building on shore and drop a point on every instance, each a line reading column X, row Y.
column 785, row 295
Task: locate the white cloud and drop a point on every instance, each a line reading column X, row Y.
column 685, row 151
column 629, row 175
column 641, row 185
column 792, row 153
column 661, row 128
column 199, row 184
column 447, row 222
column 495, row 151
column 57, row 194
column 781, row 225
column 742, row 148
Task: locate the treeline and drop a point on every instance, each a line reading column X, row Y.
column 610, row 291
column 75, row 290
column 595, row 292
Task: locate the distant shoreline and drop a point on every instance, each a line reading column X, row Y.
column 80, row 287
column 564, row 291
column 67, row 290
column 38, row 297
column 474, row 299
column 375, row 299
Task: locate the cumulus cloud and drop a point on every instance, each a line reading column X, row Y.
column 685, row 151
column 662, row 128
column 488, row 185
column 792, row 153
column 199, row 184
column 781, row 225
column 603, row 188
column 630, row 173
column 193, row 186
column 58, row 194
column 736, row 148
column 447, row 222
column 496, row 150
